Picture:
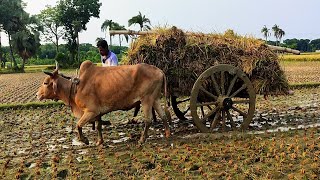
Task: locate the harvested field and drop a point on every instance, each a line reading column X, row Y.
column 40, row 143
column 21, row 88
column 301, row 71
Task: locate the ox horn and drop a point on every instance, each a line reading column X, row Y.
column 57, row 65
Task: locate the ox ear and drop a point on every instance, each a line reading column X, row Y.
column 48, row 73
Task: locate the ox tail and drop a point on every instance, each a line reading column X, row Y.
column 166, row 109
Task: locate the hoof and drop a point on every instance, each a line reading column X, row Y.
column 84, row 140
column 133, row 121
column 141, row 141
column 99, row 142
column 140, row 144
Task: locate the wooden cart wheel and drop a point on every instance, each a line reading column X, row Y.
column 179, row 108
column 222, row 97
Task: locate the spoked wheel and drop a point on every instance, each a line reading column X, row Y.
column 222, row 98
column 179, row 106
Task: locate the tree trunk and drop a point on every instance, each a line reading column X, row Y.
column 57, row 40
column 110, row 41
column 78, row 50
column 119, row 40
column 23, row 63
column 1, row 57
column 15, row 65
column 57, row 45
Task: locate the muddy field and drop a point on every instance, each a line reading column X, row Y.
column 41, row 142
column 283, row 142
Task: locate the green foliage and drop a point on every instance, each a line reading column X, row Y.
column 47, row 51
column 74, row 15
column 62, row 59
column 51, row 28
column 266, row 32
column 25, row 44
column 299, row 44
column 140, row 19
column 113, row 26
column 12, row 19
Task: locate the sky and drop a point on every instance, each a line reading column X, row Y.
column 299, row 19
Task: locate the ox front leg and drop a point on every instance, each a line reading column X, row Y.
column 85, row 118
column 147, row 122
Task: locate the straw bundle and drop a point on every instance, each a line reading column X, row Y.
column 184, row 57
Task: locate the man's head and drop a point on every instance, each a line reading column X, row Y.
column 102, row 45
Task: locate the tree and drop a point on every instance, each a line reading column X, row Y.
column 303, row 45
column 141, row 20
column 120, row 27
column 276, row 29
column 281, row 33
column 266, row 32
column 11, row 21
column 291, row 43
column 113, row 26
column 51, row 26
column 26, row 44
column 315, row 44
column 107, row 23
column 74, row 15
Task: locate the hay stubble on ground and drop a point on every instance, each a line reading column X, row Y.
column 40, row 134
column 41, row 142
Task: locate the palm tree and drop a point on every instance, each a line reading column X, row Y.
column 107, row 23
column 113, row 26
column 276, row 29
column 25, row 44
column 265, row 32
column 281, row 33
column 141, row 20
column 117, row 26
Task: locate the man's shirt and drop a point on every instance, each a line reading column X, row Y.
column 109, row 60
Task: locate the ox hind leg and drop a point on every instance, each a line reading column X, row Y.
column 85, row 118
column 99, row 128
column 163, row 115
column 147, row 111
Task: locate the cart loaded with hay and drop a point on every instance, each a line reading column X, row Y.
column 218, row 74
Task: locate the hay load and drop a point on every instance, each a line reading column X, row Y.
column 184, row 57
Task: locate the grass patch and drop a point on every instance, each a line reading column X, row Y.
column 30, row 105
column 301, row 57
column 304, row 85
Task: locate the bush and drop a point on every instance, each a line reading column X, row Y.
column 62, row 59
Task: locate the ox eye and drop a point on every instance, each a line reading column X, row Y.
column 45, row 83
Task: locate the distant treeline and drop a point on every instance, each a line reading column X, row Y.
column 47, row 54
column 303, row 45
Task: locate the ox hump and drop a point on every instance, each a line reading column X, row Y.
column 85, row 65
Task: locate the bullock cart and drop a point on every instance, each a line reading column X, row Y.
column 221, row 95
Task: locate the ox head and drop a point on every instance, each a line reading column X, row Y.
column 48, row 88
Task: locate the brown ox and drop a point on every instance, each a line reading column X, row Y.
column 105, row 89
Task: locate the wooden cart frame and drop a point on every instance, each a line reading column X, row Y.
column 222, row 97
